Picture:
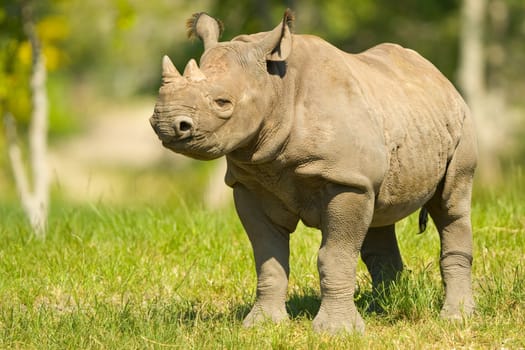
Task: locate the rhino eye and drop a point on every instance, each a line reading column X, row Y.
column 221, row 102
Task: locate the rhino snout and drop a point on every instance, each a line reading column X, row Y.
column 175, row 129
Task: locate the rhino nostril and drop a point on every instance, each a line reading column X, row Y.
column 183, row 126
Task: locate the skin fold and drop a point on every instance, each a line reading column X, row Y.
column 347, row 143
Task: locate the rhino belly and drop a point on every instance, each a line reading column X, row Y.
column 388, row 215
column 411, row 180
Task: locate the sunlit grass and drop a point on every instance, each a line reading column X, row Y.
column 177, row 276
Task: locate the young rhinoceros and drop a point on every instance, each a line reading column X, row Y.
column 347, row 143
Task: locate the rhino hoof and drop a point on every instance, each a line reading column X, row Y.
column 457, row 313
column 260, row 315
column 323, row 324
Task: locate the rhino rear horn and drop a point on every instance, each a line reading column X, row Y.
column 193, row 72
column 207, row 28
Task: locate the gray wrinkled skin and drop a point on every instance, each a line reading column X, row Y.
column 347, row 143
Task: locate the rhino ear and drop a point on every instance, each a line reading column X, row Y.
column 277, row 45
column 207, row 28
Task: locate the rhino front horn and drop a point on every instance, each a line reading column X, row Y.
column 168, row 68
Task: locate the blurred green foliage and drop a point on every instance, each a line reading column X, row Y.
column 101, row 50
column 114, row 46
column 14, row 85
column 430, row 27
column 15, row 51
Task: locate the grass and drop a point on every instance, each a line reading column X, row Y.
column 176, row 276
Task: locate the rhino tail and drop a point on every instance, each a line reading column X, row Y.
column 423, row 220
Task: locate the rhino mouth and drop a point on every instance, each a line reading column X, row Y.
column 196, row 146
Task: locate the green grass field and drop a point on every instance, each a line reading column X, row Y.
column 176, row 276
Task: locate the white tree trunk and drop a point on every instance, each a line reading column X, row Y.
column 35, row 200
column 472, row 61
column 38, row 142
column 487, row 105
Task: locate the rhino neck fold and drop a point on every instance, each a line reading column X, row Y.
column 267, row 145
column 274, row 133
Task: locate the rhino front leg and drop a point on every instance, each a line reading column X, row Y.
column 270, row 245
column 344, row 224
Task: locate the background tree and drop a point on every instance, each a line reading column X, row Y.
column 33, row 188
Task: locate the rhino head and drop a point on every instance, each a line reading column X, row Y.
column 221, row 106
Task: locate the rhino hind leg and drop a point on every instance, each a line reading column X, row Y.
column 455, row 262
column 450, row 210
column 380, row 253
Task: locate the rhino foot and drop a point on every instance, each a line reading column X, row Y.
column 334, row 323
column 459, row 302
column 260, row 314
column 457, row 312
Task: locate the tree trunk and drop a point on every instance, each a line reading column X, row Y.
column 35, row 200
column 484, row 103
column 472, row 62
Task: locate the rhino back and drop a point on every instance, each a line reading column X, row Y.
column 422, row 118
column 385, row 118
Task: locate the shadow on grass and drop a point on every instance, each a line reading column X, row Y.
column 302, row 305
column 305, row 305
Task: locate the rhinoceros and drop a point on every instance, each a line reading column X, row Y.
column 347, row 143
